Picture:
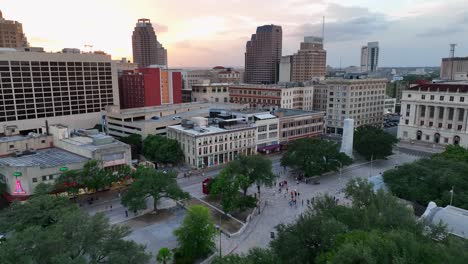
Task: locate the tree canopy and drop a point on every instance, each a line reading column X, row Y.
column 162, row 149
column 47, row 229
column 240, row 174
column 92, row 176
column 377, row 228
column 195, row 235
column 430, row 180
column 136, row 144
column 313, row 157
column 150, row 183
column 373, row 142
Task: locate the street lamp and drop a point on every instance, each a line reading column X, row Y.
column 451, row 196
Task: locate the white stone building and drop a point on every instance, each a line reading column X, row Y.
column 435, row 113
column 210, row 144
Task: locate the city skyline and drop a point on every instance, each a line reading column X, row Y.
column 208, row 33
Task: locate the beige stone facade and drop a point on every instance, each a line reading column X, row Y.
column 358, row 99
column 212, row 93
column 206, row 146
column 310, row 61
column 11, row 34
column 435, row 114
column 451, row 67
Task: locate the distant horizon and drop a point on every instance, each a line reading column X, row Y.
column 210, row 32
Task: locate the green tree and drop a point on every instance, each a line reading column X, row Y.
column 251, row 169
column 254, row 256
column 430, row 180
column 227, row 189
column 314, row 157
column 47, row 229
column 150, row 183
column 373, row 142
column 162, row 149
column 454, row 153
column 196, row 234
column 378, row 228
column 164, row 255
column 136, row 143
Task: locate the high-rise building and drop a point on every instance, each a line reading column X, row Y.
column 150, row 87
column 310, row 61
column 370, row 57
column 263, row 55
column 355, row 96
column 11, row 34
column 62, row 88
column 146, row 48
column 452, row 67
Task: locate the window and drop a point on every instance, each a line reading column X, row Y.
column 422, row 123
column 441, row 98
column 44, row 178
column 409, row 95
column 423, row 96
column 43, row 141
column 445, row 140
column 451, row 98
column 12, row 146
column 405, row 134
column 51, row 177
column 431, row 124
column 406, row 122
column 428, row 137
column 459, row 127
column 440, row 125
column 262, row 128
column 432, row 97
column 273, row 126
column 34, row 179
column 449, row 126
column 462, row 99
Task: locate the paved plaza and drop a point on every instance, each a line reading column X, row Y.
column 277, row 209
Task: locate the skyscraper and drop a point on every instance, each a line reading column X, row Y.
column 11, row 34
column 370, row 57
column 146, row 48
column 263, row 55
column 310, row 61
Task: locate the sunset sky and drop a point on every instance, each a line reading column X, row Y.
column 214, row 32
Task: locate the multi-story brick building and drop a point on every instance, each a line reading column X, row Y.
column 296, row 124
column 263, row 54
column 11, row 34
column 286, row 95
column 150, row 87
column 435, row 113
column 310, row 61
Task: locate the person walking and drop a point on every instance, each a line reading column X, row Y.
column 126, row 213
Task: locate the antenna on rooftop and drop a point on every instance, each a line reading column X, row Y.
column 323, row 29
column 452, row 50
